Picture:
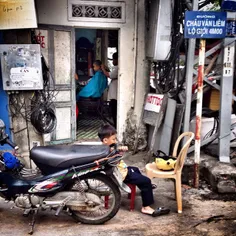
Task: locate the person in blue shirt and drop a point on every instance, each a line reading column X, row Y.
column 96, row 85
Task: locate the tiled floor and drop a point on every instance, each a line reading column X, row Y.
column 88, row 128
column 90, row 121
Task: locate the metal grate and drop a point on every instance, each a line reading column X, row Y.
column 96, row 11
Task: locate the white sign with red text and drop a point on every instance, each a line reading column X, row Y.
column 153, row 102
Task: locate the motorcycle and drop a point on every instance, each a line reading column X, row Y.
column 81, row 180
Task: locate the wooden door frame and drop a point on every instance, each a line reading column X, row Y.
column 63, row 87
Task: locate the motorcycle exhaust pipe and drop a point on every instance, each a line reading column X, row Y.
column 57, row 202
column 53, row 203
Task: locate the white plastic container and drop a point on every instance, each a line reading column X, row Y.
column 207, row 126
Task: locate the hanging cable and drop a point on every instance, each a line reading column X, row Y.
column 169, row 70
column 39, row 110
column 43, row 116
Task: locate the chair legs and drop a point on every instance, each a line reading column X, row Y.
column 132, row 195
column 106, row 202
column 178, row 191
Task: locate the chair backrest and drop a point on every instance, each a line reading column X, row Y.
column 183, row 152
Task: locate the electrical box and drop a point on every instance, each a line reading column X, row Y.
column 159, row 33
column 21, row 67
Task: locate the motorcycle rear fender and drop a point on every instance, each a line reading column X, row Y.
column 122, row 185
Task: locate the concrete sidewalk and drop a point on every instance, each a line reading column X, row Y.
column 199, row 217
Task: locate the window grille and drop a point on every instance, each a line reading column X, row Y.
column 102, row 11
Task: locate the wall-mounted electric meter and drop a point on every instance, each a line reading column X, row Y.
column 21, row 67
column 159, row 33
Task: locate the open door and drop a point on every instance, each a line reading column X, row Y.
column 57, row 47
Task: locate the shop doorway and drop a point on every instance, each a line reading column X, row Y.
column 93, row 111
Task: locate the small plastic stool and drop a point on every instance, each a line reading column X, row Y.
column 106, row 201
column 131, row 196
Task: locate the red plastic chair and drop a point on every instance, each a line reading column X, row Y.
column 106, row 202
column 131, row 196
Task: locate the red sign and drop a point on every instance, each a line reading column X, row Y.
column 40, row 39
column 153, row 102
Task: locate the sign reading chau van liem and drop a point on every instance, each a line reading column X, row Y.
column 153, row 102
column 208, row 24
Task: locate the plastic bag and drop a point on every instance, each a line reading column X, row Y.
column 11, row 162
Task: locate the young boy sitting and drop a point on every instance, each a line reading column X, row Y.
column 132, row 175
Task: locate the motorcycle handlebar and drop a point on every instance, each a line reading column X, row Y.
column 110, row 158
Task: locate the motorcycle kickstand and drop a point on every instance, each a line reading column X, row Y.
column 33, row 221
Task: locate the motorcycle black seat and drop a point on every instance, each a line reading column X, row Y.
column 65, row 156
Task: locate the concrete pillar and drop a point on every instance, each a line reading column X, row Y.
column 141, row 69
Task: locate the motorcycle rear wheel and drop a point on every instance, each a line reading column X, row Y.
column 114, row 199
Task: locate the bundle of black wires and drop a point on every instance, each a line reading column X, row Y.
column 169, row 70
column 18, row 106
column 43, row 116
column 39, row 109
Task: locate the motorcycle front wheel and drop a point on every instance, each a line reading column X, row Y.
column 109, row 197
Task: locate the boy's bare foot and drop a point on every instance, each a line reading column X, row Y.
column 147, row 210
column 158, row 212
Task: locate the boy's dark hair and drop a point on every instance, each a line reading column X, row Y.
column 106, row 131
column 115, row 56
column 98, row 63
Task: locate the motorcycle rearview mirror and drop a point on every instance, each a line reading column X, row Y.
column 2, row 129
column 4, row 137
column 2, row 124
